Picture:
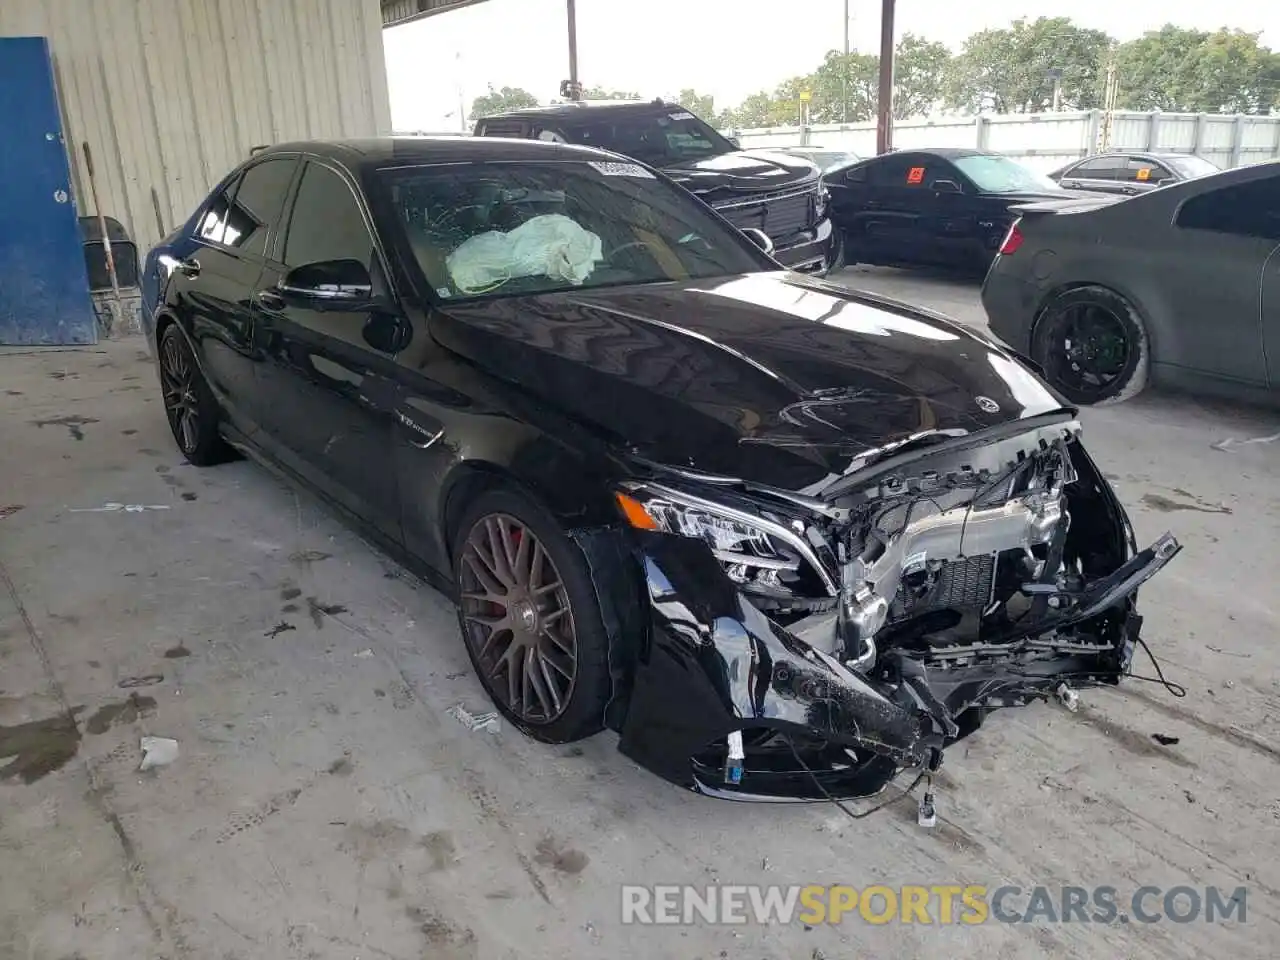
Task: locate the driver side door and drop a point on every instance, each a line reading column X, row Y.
column 329, row 394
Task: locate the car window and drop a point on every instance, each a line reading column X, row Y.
column 992, row 173
column 901, row 170
column 1137, row 170
column 1191, row 167
column 496, row 229
column 1246, row 210
column 326, row 223
column 213, row 223
column 255, row 209
column 1095, row 168
column 661, row 139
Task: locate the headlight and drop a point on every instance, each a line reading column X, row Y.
column 758, row 553
column 821, row 201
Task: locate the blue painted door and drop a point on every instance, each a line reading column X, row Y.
column 44, row 288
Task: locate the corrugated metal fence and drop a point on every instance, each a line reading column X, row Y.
column 170, row 94
column 1048, row 140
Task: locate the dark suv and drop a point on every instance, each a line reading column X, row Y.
column 778, row 194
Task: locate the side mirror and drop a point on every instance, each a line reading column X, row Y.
column 946, row 186
column 1165, row 181
column 736, row 141
column 759, row 238
column 335, row 285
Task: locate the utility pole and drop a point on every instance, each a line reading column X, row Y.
column 1108, row 107
column 571, row 88
column 844, row 72
column 1055, row 74
column 884, row 100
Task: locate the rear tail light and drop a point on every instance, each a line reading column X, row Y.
column 1012, row 240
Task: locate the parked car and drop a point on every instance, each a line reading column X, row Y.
column 1179, row 286
column 1129, row 173
column 765, row 190
column 785, row 537
column 824, row 159
column 945, row 207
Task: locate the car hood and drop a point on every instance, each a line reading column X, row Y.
column 774, row 378
column 742, row 172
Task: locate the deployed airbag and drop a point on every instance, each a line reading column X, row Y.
column 550, row 245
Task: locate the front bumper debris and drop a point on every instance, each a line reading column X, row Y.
column 714, row 664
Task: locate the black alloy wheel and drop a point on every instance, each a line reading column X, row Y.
column 188, row 404
column 1092, row 346
column 518, row 620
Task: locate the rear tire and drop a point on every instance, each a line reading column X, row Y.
column 530, row 619
column 189, row 405
column 1092, row 345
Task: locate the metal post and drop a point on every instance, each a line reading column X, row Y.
column 573, row 50
column 844, row 70
column 884, row 99
column 1237, row 140
column 117, row 319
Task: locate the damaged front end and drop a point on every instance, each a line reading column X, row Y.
column 804, row 646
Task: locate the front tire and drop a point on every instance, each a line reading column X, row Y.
column 1092, row 345
column 530, row 619
column 189, row 405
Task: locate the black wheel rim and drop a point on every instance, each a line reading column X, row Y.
column 517, row 619
column 177, row 381
column 1088, row 349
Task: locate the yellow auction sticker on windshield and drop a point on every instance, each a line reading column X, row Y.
column 1144, row 173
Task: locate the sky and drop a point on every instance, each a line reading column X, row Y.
column 727, row 48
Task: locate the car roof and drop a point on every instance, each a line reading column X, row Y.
column 950, row 153
column 596, row 108
column 374, row 152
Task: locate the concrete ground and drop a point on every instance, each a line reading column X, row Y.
column 325, row 805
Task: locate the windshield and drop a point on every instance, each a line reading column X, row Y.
column 1002, row 175
column 1190, row 167
column 664, row 139
column 515, row 228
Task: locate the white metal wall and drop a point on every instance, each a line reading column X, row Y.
column 170, row 94
column 1049, row 140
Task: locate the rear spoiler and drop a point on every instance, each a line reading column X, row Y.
column 1069, row 205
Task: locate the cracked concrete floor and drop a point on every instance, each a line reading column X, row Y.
column 325, row 805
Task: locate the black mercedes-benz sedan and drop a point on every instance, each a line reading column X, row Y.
column 772, row 191
column 787, row 539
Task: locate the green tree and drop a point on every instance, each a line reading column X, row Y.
column 1008, row 70
column 500, row 101
column 920, row 68
column 600, row 93
column 1192, row 71
column 700, row 105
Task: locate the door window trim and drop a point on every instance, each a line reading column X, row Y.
column 353, row 189
column 237, row 178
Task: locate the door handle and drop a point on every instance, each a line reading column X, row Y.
column 189, row 267
column 269, row 299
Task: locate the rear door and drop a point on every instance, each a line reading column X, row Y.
column 1213, row 275
column 1141, row 174
column 329, row 396
column 1095, row 174
column 883, row 205
column 44, row 287
column 212, row 293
